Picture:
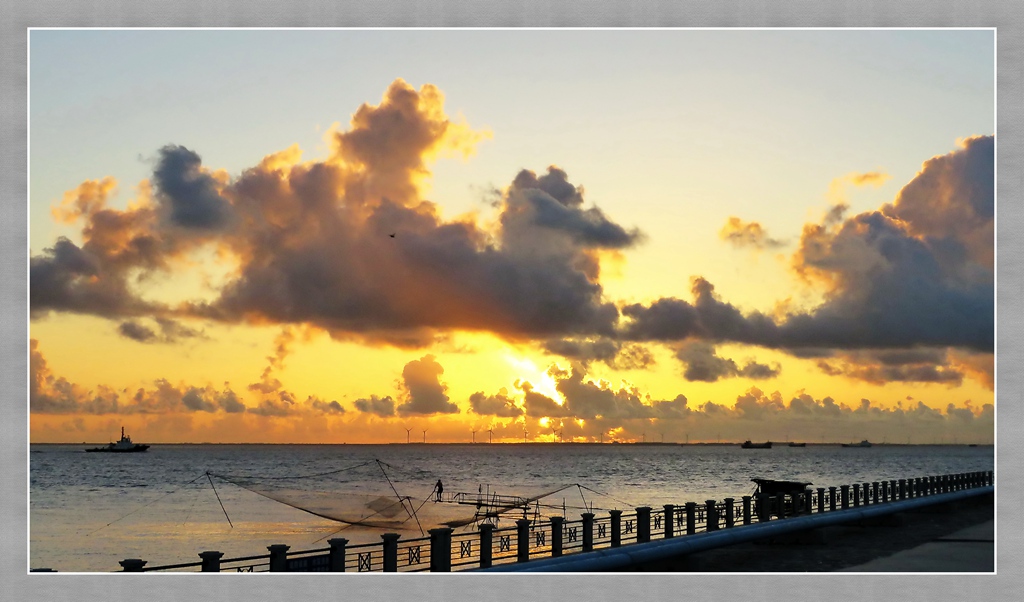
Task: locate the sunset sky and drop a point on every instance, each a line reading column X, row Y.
column 358, row 236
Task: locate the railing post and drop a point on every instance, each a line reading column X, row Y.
column 441, row 549
column 856, row 495
column 670, row 512
column 522, row 540
column 885, row 491
column 643, row 524
column 867, row 493
column 711, row 511
column 780, row 505
column 588, row 531
column 556, row 535
column 903, row 489
column 729, row 509
column 844, row 496
column 991, row 478
column 615, row 516
column 894, row 491
column 211, row 561
column 486, row 545
column 336, row 557
column 390, row 550
column 278, row 557
column 821, row 499
column 691, row 518
column 746, row 509
column 132, row 565
column 764, row 507
column 831, row 499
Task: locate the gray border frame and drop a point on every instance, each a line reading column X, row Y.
column 23, row 14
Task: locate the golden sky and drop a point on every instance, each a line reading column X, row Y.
column 385, row 285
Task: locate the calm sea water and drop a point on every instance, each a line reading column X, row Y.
column 88, row 511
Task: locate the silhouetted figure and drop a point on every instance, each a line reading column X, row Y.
column 439, row 488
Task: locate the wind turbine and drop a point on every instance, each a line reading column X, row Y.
column 474, row 436
column 524, row 435
column 490, row 433
column 425, row 435
column 407, row 432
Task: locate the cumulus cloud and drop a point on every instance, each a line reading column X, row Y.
column 539, row 405
column 52, row 394
column 381, row 406
column 425, row 394
column 324, row 407
column 894, row 279
column 748, row 234
column 311, row 242
column 190, row 195
column 499, row 404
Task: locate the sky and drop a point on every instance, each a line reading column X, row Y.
column 381, row 236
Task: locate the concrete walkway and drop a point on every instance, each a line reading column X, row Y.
column 970, row 550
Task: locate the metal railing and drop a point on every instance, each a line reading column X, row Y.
column 444, row 550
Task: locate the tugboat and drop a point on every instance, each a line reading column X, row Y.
column 124, row 445
column 864, row 443
column 748, row 445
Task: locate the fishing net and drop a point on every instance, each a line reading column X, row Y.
column 370, row 496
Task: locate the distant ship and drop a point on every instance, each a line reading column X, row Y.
column 793, row 444
column 863, row 443
column 123, row 446
column 748, row 445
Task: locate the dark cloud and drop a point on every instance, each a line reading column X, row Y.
column 325, row 407
column 170, row 331
column 135, row 331
column 381, row 406
column 879, row 366
column 551, row 202
column 703, row 364
column 229, row 402
column 499, row 404
column 279, row 405
column 896, row 279
column 68, row 278
column 615, row 354
column 313, row 241
column 190, row 195
column 590, row 400
column 425, row 394
column 193, row 400
column 538, row 405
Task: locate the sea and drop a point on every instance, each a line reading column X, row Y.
column 88, row 511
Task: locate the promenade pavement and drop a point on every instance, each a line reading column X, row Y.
column 969, row 550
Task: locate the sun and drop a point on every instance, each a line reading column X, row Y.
column 541, row 381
